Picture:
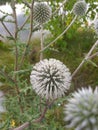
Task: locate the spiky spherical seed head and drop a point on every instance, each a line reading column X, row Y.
column 41, row 12
column 81, row 112
column 96, row 26
column 50, row 78
column 80, row 8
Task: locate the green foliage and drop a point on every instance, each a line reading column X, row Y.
column 6, row 57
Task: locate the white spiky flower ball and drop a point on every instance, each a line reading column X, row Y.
column 96, row 26
column 50, row 78
column 80, row 8
column 81, row 112
column 41, row 12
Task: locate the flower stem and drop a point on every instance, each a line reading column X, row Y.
column 42, row 41
column 59, row 35
column 16, row 52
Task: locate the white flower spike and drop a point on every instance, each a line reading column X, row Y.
column 81, row 112
column 50, row 78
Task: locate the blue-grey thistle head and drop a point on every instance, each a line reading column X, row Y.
column 80, row 8
column 50, row 78
column 81, row 112
column 41, row 12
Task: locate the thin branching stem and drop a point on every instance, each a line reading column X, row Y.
column 3, row 12
column 42, row 43
column 16, row 33
column 7, row 30
column 16, row 51
column 24, row 23
column 60, row 35
column 85, row 59
column 30, row 34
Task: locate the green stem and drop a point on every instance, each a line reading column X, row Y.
column 42, row 41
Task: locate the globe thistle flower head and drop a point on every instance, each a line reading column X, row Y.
column 96, row 26
column 41, row 12
column 50, row 78
column 82, row 110
column 80, row 8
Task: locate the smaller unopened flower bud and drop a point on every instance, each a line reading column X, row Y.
column 80, row 8
column 41, row 12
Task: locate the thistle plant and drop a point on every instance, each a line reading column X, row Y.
column 82, row 110
column 50, row 78
column 80, row 8
column 42, row 12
